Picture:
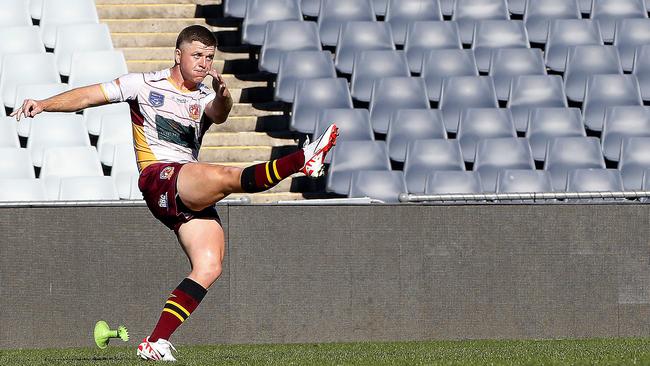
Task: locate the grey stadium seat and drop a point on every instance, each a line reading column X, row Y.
column 641, row 70
column 494, row 34
column 384, row 185
column 61, row 12
column 634, row 161
column 260, row 12
column 539, row 13
column 604, row 91
column 607, row 12
column 314, row 95
column 284, row 36
column 97, row 37
column 585, row 6
column 401, row 13
column 33, row 68
column 96, row 67
column 468, row 12
column 301, row 65
column 630, row 34
column 408, row 125
column 447, row 7
column 15, row 13
column 353, row 124
column 564, row 33
column 516, row 7
column 234, row 8
column 453, row 182
column 393, row 93
column 564, row 154
column 480, row 123
column 621, row 122
column 440, row 64
column 422, row 37
column 356, row 37
column 310, row 8
column 493, row 155
column 77, row 161
column 594, row 180
column 461, row 92
column 372, row 65
column 426, row 156
column 57, row 130
column 352, row 156
column 15, row 163
column 20, row 39
column 380, row 7
column 534, row 91
column 524, row 181
column 22, row 190
column 8, row 133
column 508, row 63
column 545, row 124
column 87, row 189
column 584, row 61
column 334, row 13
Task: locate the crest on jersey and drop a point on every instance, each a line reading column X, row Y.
column 195, row 111
column 167, row 172
column 156, row 99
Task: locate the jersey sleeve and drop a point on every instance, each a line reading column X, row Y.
column 124, row 88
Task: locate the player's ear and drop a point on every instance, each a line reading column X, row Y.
column 177, row 56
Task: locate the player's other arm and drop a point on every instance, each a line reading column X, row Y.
column 69, row 101
column 219, row 108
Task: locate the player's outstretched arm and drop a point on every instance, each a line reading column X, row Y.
column 219, row 108
column 69, row 101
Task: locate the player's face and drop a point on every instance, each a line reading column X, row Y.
column 195, row 60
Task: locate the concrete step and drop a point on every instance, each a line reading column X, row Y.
column 243, row 153
column 247, row 138
column 253, row 123
column 259, row 109
column 228, row 39
column 200, row 2
column 135, row 11
column 143, row 39
column 163, row 25
column 269, row 197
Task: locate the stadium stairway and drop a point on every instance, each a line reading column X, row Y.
column 257, row 130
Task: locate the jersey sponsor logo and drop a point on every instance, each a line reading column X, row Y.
column 174, row 132
column 162, row 201
column 167, row 172
column 195, row 111
column 156, row 99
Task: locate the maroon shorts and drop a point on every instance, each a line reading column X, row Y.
column 158, row 186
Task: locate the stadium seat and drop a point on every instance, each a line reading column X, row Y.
column 494, row 34
column 524, row 181
column 585, row 6
column 284, row 36
column 314, row 95
column 545, row 124
column 634, row 161
column 539, row 13
column 301, row 65
column 353, row 124
column 123, row 169
column 373, row 65
column 447, row 7
column 594, row 180
column 468, row 12
column 508, row 63
column 8, row 133
column 310, row 8
column 20, row 39
column 564, row 33
column 136, row 194
column 480, row 123
column 260, row 12
column 495, row 154
column 14, row 13
column 115, row 130
column 401, row 13
column 22, row 190
column 380, row 7
column 334, row 13
column 37, row 91
column 607, row 12
column 352, row 156
column 461, row 92
column 32, row 68
column 356, row 37
column 234, row 8
column 15, row 163
column 516, row 7
column 60, row 12
column 453, row 182
column 384, row 185
column 75, row 161
column 621, row 122
column 408, row 125
column 630, row 34
column 56, row 130
column 25, row 125
column 534, row 91
column 440, row 64
column 423, row 157
column 641, row 69
column 97, row 37
column 564, row 154
column 604, row 91
column 584, row 61
column 36, row 9
column 393, row 93
column 93, row 115
column 422, row 37
column 87, row 189
column 96, row 67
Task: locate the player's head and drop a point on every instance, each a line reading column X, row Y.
column 195, row 48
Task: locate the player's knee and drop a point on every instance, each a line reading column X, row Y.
column 211, row 272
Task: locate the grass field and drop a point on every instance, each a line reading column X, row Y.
column 561, row 352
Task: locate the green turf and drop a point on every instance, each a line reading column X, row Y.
column 564, row 352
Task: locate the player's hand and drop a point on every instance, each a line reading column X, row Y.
column 218, row 85
column 30, row 108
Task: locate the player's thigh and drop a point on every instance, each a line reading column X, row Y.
column 204, row 243
column 200, row 185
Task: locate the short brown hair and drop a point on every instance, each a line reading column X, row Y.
column 196, row 33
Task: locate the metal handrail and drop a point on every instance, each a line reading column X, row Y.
column 405, row 197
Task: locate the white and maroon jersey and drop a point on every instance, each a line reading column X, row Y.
column 167, row 123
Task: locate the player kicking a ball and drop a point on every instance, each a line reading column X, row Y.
column 170, row 111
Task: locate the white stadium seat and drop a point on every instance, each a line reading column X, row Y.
column 20, row 39
column 96, row 37
column 33, row 68
column 14, row 12
column 8, row 132
column 25, row 189
column 116, row 129
column 124, row 168
column 96, row 67
column 87, row 188
column 15, row 163
column 71, row 162
column 60, row 12
column 37, row 91
column 56, row 130
column 36, row 9
column 93, row 115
